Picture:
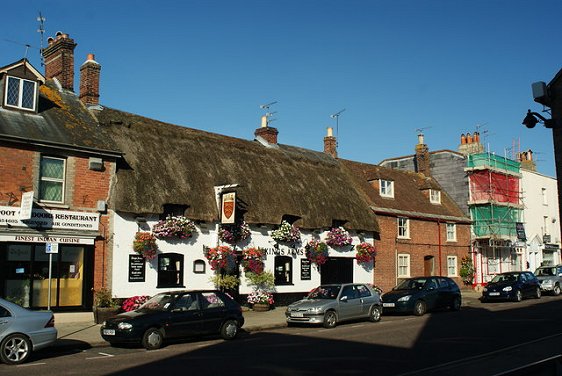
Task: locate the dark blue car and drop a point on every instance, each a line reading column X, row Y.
column 512, row 286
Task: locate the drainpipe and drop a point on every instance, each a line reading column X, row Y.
column 439, row 242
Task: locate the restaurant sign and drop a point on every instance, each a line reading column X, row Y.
column 66, row 240
column 50, row 219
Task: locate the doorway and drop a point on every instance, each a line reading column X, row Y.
column 428, row 266
column 337, row 270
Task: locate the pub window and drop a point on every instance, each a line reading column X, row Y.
column 199, row 267
column 20, row 93
column 51, row 184
column 170, row 270
column 283, row 270
column 173, row 210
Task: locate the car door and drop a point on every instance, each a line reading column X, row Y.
column 525, row 285
column 213, row 311
column 185, row 317
column 6, row 320
column 349, row 303
column 431, row 293
column 445, row 294
column 366, row 298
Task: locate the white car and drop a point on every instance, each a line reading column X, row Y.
column 23, row 331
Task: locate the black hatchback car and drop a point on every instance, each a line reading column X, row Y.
column 176, row 314
column 420, row 294
column 512, row 286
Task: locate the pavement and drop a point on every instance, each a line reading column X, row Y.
column 78, row 329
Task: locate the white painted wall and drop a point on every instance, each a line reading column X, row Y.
column 125, row 227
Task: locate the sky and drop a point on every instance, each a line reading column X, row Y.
column 445, row 67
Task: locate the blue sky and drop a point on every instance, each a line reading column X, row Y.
column 448, row 67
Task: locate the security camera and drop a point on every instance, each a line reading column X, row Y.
column 530, row 121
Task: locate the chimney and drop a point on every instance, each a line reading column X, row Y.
column 266, row 132
column 470, row 144
column 59, row 60
column 526, row 160
column 422, row 157
column 90, row 81
column 330, row 143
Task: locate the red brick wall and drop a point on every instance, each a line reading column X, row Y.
column 424, row 241
column 16, row 171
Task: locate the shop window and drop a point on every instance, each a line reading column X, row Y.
column 170, row 270
column 283, row 270
column 51, row 184
column 20, row 93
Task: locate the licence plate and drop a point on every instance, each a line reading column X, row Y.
column 388, row 305
column 494, row 294
column 109, row 332
column 296, row 314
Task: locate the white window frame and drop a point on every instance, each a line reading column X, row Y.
column 451, row 232
column 452, row 266
column 46, row 179
column 434, row 196
column 544, row 197
column 403, row 223
column 403, row 265
column 20, row 93
column 386, row 188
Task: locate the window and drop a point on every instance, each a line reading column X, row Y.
column 387, row 188
column 403, row 228
column 451, row 266
column 283, row 270
column 199, row 267
column 211, row 300
column 434, row 196
column 451, row 232
column 544, row 199
column 52, row 179
column 170, row 270
column 403, row 266
column 20, row 93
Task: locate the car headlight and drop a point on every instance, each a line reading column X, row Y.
column 405, row 298
column 508, row 288
column 124, row 326
column 315, row 310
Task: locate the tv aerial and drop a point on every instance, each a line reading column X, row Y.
column 337, row 117
column 268, row 114
column 41, row 31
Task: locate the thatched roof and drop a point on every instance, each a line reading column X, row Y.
column 169, row 164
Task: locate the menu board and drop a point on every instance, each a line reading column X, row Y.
column 137, row 269
column 305, row 269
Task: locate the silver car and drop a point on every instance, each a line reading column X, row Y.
column 23, row 331
column 550, row 278
column 330, row 304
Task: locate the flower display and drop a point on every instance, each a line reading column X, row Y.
column 253, row 260
column 260, row 296
column 286, row 233
column 234, row 233
column 338, row 237
column 174, row 227
column 221, row 257
column 316, row 252
column 133, row 303
column 365, row 253
column 145, row 245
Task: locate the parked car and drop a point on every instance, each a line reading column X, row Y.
column 331, row 304
column 177, row 314
column 23, row 331
column 512, row 286
column 550, row 278
column 421, row 294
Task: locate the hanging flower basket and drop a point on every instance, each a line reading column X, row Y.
column 234, row 233
column 221, row 257
column 365, row 253
column 174, row 227
column 338, row 237
column 253, row 260
column 286, row 233
column 145, row 245
column 316, row 252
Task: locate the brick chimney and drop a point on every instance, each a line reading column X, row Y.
column 59, row 60
column 266, row 132
column 422, row 157
column 526, row 160
column 90, row 81
column 470, row 144
column 330, row 144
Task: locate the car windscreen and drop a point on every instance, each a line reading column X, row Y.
column 160, row 302
column 541, row 272
column 325, row 292
column 411, row 284
column 512, row 277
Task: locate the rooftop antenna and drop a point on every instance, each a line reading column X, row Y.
column 337, row 117
column 420, row 130
column 268, row 115
column 41, row 31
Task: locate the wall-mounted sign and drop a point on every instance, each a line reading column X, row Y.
column 305, row 270
column 228, row 207
column 51, row 248
column 520, row 229
column 546, row 238
column 48, row 219
column 137, row 267
column 26, row 205
column 46, row 239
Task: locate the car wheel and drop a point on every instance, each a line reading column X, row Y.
column 518, row 296
column 330, row 319
column 375, row 314
column 152, row 339
column 538, row 293
column 456, row 306
column 229, row 329
column 556, row 290
column 15, row 349
column 420, row 308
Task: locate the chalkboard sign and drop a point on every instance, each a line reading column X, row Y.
column 305, row 269
column 136, row 268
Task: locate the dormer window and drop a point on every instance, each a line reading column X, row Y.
column 387, row 188
column 434, row 196
column 20, row 93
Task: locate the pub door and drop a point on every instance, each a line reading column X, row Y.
column 337, row 270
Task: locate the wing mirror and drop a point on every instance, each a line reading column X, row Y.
column 343, row 298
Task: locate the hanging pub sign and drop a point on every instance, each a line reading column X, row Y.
column 228, row 207
column 520, row 229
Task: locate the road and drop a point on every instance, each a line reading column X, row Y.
column 481, row 339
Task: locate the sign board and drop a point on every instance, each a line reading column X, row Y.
column 305, row 269
column 228, row 207
column 26, row 205
column 45, row 239
column 51, row 248
column 137, row 268
column 520, row 229
column 50, row 219
column 546, row 238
